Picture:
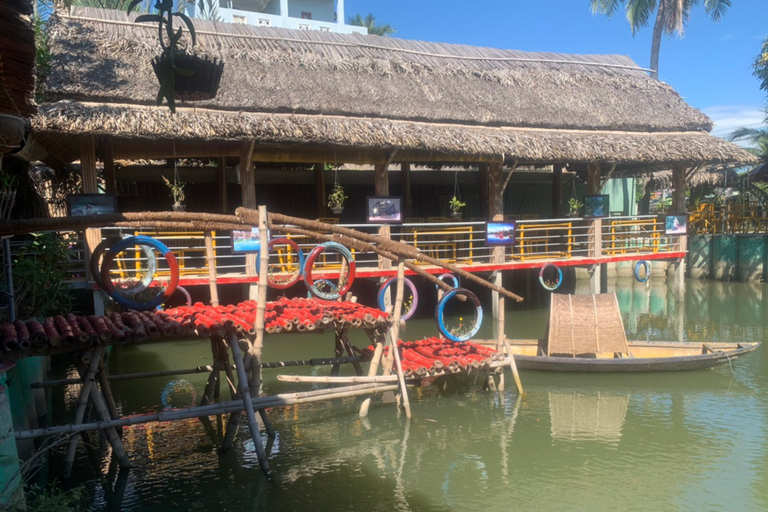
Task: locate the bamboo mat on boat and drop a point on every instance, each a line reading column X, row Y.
column 584, row 325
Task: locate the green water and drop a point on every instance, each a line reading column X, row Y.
column 693, row 441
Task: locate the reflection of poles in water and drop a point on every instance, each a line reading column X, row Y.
column 505, row 437
column 399, row 488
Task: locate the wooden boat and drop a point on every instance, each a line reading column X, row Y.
column 586, row 334
column 643, row 356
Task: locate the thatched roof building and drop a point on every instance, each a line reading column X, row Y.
column 17, row 58
column 351, row 98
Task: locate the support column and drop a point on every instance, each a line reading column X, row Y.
column 557, row 191
column 320, row 189
column 248, row 200
column 108, row 156
column 482, row 185
column 284, row 8
column 221, row 178
column 496, row 212
column 381, row 188
column 89, row 185
column 405, row 188
column 679, row 206
column 596, row 231
column 340, row 16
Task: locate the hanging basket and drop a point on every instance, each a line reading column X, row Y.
column 456, row 215
column 11, row 132
column 338, row 210
column 179, row 207
column 202, row 84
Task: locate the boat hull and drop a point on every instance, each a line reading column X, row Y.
column 710, row 355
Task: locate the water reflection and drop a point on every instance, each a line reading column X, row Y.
column 587, row 417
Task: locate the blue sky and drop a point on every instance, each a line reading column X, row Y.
column 710, row 67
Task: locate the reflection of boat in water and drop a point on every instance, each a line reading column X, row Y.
column 578, row 416
column 658, row 356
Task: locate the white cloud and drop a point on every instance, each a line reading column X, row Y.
column 729, row 117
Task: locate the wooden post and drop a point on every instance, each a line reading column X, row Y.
column 88, row 380
column 245, row 395
column 248, row 197
column 482, row 177
column 405, row 189
column 381, row 188
column 679, row 206
column 496, row 212
column 320, row 190
column 596, row 238
column 108, row 156
column 221, row 178
column 89, row 185
column 395, row 331
column 557, row 191
column 211, row 260
column 512, row 363
column 372, row 369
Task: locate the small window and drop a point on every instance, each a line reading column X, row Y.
column 302, row 26
column 325, row 29
column 305, row 15
column 239, row 19
column 265, row 23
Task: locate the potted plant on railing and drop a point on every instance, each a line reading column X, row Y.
column 181, row 75
column 177, row 192
column 336, row 199
column 456, row 206
column 574, row 207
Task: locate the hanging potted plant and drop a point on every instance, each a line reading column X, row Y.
column 336, row 199
column 181, row 75
column 574, row 207
column 177, row 192
column 456, row 206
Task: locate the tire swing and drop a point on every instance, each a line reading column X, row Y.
column 152, row 243
column 551, row 285
column 642, row 266
column 414, row 294
column 450, row 276
column 134, row 289
column 440, row 315
column 341, row 289
column 292, row 278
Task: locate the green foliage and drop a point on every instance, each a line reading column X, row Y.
column 374, row 28
column 177, row 190
column 761, row 66
column 43, row 55
column 456, row 205
column 337, row 197
column 574, row 205
column 39, row 275
column 206, row 10
column 756, row 137
column 53, row 499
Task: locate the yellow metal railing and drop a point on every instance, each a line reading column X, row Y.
column 535, row 240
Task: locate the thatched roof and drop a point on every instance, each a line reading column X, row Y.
column 17, row 58
column 306, row 87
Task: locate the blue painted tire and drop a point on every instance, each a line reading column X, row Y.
column 440, row 315
column 161, row 297
column 137, row 288
column 450, row 276
column 293, row 245
column 414, row 294
column 559, row 277
column 309, row 280
column 647, row 266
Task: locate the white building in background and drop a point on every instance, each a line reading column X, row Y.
column 323, row 15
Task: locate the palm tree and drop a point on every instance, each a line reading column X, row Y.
column 369, row 21
column 757, row 139
column 671, row 17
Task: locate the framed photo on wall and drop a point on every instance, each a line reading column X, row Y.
column 244, row 242
column 384, row 209
column 80, row 205
column 500, row 233
column 596, row 206
column 676, row 225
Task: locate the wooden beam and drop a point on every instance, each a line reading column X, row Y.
column 381, row 188
column 247, row 179
column 320, row 189
column 495, row 192
column 405, row 189
column 678, row 184
column 88, row 164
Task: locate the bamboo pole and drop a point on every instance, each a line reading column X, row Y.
column 106, row 391
column 395, row 331
column 211, row 260
column 280, row 400
column 85, row 393
column 245, row 395
column 372, row 369
column 343, row 379
column 500, row 341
